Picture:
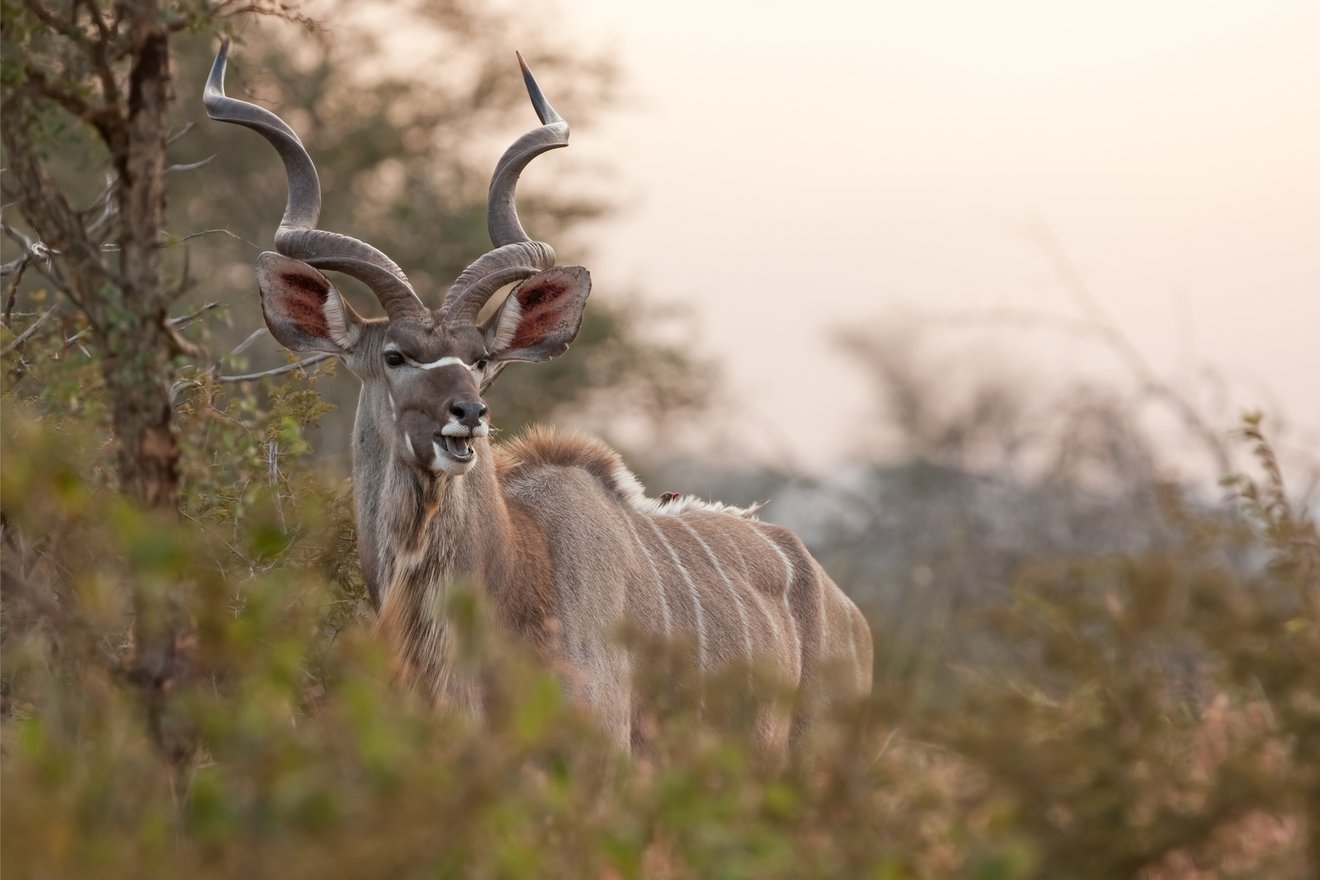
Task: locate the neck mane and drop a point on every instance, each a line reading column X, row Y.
column 430, row 533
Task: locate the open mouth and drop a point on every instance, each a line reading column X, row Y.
column 459, row 448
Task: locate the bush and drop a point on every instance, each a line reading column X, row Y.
column 1151, row 716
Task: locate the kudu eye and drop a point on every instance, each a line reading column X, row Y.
column 481, row 364
column 393, row 359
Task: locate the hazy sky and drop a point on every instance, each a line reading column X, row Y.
column 791, row 168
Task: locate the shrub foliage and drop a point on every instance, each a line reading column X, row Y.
column 1149, row 715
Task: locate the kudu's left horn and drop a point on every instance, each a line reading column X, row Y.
column 297, row 235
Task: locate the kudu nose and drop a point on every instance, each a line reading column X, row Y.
column 468, row 412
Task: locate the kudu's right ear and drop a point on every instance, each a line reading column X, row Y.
column 540, row 317
column 303, row 309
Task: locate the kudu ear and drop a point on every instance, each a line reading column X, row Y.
column 540, row 317
column 303, row 309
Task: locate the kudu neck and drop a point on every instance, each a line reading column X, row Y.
column 433, row 532
column 441, row 527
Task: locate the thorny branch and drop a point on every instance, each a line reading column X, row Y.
column 105, row 204
column 277, row 371
column 34, row 252
column 27, row 334
column 62, row 230
column 17, row 268
column 183, row 321
column 191, row 166
column 251, row 338
column 221, row 231
column 178, row 135
column 32, row 248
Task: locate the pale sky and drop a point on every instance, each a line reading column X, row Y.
column 789, row 168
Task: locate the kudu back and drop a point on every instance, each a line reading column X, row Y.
column 557, row 534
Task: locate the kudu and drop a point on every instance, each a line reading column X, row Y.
column 551, row 527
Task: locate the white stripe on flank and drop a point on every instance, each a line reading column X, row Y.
column 788, row 585
column 733, row 591
column 655, row 575
column 852, row 637
column 823, row 624
column 759, row 600
column 692, row 590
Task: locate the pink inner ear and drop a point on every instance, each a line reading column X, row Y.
column 302, row 302
column 541, row 311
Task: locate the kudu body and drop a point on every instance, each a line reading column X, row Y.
column 552, row 527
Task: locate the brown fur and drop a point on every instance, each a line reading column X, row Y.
column 556, row 535
column 545, row 446
column 747, row 591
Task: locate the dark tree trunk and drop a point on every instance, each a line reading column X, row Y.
column 126, row 304
column 147, row 456
column 119, row 289
column 138, row 350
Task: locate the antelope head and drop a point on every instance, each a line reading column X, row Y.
column 423, row 371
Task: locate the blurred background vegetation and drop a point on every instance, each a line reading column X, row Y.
column 1087, row 664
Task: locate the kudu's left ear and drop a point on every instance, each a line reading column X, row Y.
column 303, row 310
column 540, row 317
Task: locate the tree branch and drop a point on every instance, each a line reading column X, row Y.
column 98, row 50
column 106, row 205
column 191, row 166
column 66, row 29
column 287, row 368
column 190, row 236
column 36, row 252
column 187, row 127
column 104, row 119
column 32, row 248
column 16, row 268
column 281, row 10
column 251, row 338
column 58, row 227
column 184, row 321
column 180, row 345
column 27, row 334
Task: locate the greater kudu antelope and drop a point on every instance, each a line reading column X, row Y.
column 551, row 526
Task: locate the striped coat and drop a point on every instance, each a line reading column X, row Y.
column 566, row 545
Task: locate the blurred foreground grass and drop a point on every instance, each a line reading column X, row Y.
column 1152, row 716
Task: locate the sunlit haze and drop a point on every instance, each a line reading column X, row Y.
column 789, row 169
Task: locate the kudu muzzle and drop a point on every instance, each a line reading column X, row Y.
column 440, row 415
